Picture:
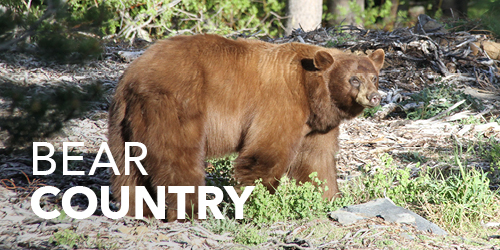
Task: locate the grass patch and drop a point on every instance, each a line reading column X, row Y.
column 370, row 112
column 436, row 99
column 457, row 201
column 412, row 157
column 490, row 150
column 67, row 238
column 72, row 239
column 251, row 235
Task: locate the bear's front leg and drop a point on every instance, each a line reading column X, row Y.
column 266, row 155
column 317, row 154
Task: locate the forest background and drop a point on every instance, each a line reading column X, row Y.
column 70, row 29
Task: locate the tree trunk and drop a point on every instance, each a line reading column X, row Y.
column 452, row 8
column 343, row 14
column 390, row 20
column 305, row 14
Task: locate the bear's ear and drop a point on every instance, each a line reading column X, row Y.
column 308, row 64
column 323, row 60
column 378, row 57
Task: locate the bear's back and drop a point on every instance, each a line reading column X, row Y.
column 230, row 83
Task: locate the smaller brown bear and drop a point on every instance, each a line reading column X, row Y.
column 279, row 106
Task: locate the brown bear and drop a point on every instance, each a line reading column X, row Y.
column 279, row 106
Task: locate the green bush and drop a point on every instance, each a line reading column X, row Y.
column 52, row 28
column 37, row 114
column 155, row 18
column 67, row 238
column 65, row 47
column 291, row 201
column 372, row 13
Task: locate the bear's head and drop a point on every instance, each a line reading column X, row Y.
column 341, row 85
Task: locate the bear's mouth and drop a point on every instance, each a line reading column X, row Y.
column 368, row 95
column 369, row 101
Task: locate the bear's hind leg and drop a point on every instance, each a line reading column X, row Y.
column 174, row 138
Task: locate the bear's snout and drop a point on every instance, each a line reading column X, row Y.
column 375, row 99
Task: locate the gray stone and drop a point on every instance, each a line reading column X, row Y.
column 407, row 236
column 129, row 56
column 386, row 209
column 405, row 218
column 345, row 218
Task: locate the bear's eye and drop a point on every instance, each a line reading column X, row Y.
column 374, row 79
column 355, row 81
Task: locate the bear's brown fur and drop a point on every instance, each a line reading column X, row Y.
column 279, row 106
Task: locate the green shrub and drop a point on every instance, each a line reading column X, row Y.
column 65, row 47
column 67, row 238
column 291, row 201
column 52, row 28
column 457, row 200
column 37, row 114
column 155, row 18
column 373, row 16
column 220, row 173
column 491, row 151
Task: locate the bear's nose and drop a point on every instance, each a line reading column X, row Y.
column 375, row 99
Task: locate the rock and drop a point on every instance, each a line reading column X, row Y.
column 426, row 24
column 407, row 236
column 491, row 48
column 345, row 218
column 129, row 56
column 404, row 218
column 386, row 209
column 415, row 11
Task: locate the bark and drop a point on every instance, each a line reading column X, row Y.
column 391, row 19
column 305, row 14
